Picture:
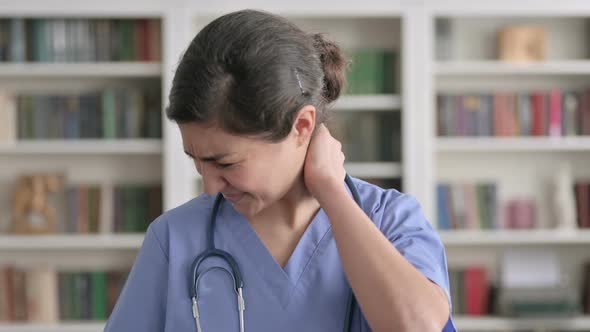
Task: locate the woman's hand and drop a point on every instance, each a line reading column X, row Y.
column 324, row 162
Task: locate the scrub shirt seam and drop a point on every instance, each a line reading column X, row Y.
column 159, row 244
column 309, row 261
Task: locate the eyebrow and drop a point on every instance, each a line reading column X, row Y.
column 214, row 157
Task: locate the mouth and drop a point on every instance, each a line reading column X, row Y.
column 233, row 198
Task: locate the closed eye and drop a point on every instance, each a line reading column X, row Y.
column 220, row 165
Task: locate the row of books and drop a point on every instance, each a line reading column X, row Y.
column 467, row 206
column 134, row 208
column 542, row 113
column 92, row 209
column 470, row 291
column 79, row 40
column 582, row 196
column 368, row 136
column 372, row 71
column 473, row 294
column 44, row 295
column 110, row 113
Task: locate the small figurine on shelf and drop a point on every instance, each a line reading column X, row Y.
column 35, row 210
column 563, row 198
column 522, row 43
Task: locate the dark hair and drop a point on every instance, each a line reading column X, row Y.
column 250, row 72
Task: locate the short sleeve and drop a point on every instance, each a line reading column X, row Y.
column 404, row 224
column 141, row 306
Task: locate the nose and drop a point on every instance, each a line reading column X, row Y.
column 213, row 181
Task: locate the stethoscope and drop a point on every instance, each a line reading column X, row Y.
column 235, row 274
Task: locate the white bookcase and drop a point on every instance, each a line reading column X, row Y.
column 520, row 165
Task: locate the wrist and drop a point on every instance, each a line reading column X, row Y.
column 327, row 189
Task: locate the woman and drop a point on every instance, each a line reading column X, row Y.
column 249, row 97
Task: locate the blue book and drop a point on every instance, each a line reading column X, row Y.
column 442, row 198
column 72, row 118
column 17, row 40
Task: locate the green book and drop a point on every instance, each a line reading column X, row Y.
column 460, row 300
column 129, row 209
column 364, row 75
column 109, row 119
column 99, row 296
column 127, row 43
column 390, row 72
column 75, row 296
column 480, row 193
column 93, row 209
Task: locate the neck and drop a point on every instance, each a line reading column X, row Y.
column 296, row 209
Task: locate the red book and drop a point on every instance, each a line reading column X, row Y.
column 476, row 291
column 141, row 40
column 154, row 38
column 83, row 224
column 587, row 289
column 500, row 118
column 585, row 114
column 8, row 273
column 555, row 113
column 583, row 204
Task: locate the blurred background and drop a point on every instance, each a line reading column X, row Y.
column 480, row 109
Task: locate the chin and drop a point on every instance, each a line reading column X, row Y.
column 248, row 207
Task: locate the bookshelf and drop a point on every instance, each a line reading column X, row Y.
column 60, row 70
column 464, row 64
column 522, row 144
column 91, row 147
column 537, row 324
column 494, row 68
column 66, row 70
column 522, row 166
column 62, row 327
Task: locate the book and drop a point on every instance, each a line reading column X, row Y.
column 8, row 118
column 42, row 295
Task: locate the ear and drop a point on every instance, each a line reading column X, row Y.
column 304, row 124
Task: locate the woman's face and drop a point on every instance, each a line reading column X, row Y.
column 251, row 173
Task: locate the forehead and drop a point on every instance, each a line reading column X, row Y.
column 202, row 139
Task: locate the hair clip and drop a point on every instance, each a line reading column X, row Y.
column 299, row 82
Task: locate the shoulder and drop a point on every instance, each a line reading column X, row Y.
column 187, row 221
column 389, row 206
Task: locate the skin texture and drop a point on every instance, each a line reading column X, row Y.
column 279, row 188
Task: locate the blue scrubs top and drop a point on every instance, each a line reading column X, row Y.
column 309, row 294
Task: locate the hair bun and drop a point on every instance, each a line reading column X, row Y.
column 333, row 64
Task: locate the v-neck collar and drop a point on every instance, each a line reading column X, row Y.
column 281, row 282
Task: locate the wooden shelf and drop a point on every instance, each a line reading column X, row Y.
column 82, row 146
column 512, row 144
column 97, row 69
column 489, row 324
column 380, row 170
column 58, row 327
column 70, row 242
column 368, row 103
column 491, row 67
column 514, row 237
